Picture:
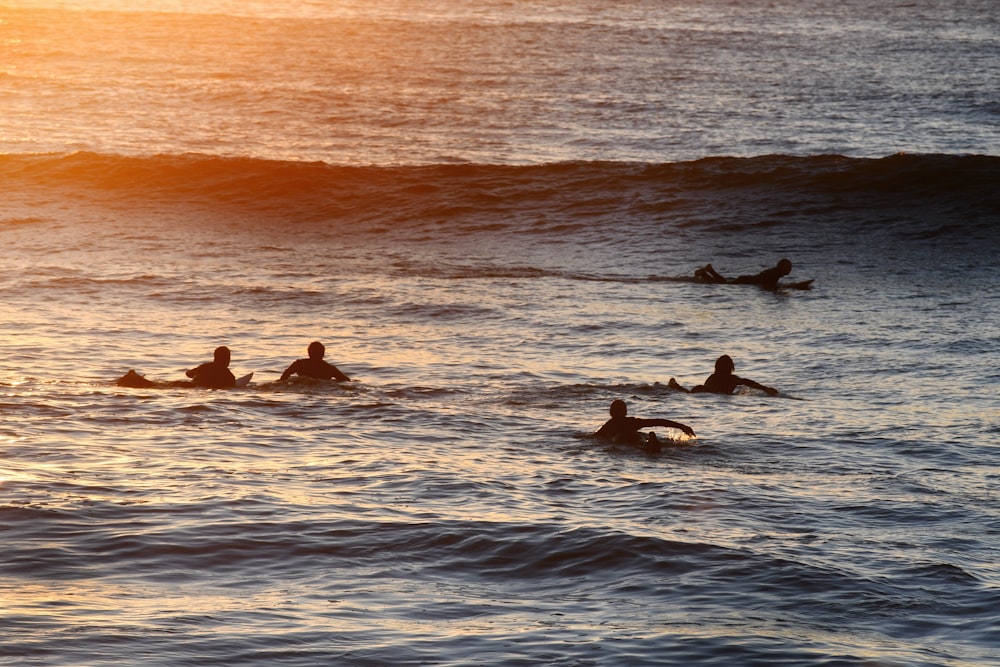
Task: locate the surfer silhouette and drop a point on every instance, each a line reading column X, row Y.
column 314, row 366
column 768, row 278
column 622, row 429
column 723, row 381
column 214, row 374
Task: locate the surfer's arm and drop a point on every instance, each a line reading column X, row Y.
column 290, row 371
column 669, row 423
column 606, row 430
column 770, row 391
column 338, row 375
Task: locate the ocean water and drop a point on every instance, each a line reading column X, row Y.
column 486, row 211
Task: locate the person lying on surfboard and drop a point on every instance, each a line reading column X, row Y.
column 624, row 430
column 214, row 374
column 723, row 381
column 314, row 366
column 768, row 278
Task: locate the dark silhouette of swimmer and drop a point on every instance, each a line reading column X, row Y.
column 214, row 374
column 314, row 366
column 768, row 278
column 723, row 381
column 622, row 429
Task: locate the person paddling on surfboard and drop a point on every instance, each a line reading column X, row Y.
column 314, row 366
column 214, row 374
column 768, row 278
column 624, row 430
column 723, row 381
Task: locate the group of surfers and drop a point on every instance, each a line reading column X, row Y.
column 623, row 429
column 620, row 428
column 215, row 374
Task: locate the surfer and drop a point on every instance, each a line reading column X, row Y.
column 314, row 366
column 723, row 381
column 768, row 278
column 622, row 429
column 214, row 374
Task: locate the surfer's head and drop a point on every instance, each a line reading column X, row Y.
column 785, row 267
column 724, row 365
column 618, row 408
column 316, row 350
column 222, row 355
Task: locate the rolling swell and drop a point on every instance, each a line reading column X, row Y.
column 589, row 564
column 552, row 197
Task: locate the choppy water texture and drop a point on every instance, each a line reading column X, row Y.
column 426, row 82
column 449, row 506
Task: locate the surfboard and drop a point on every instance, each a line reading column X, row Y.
column 244, row 380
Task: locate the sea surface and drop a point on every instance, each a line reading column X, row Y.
column 488, row 212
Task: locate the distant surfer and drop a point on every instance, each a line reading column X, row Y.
column 723, row 380
column 314, row 367
column 214, row 374
column 768, row 278
column 622, row 429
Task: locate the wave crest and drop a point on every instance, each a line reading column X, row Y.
column 492, row 198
